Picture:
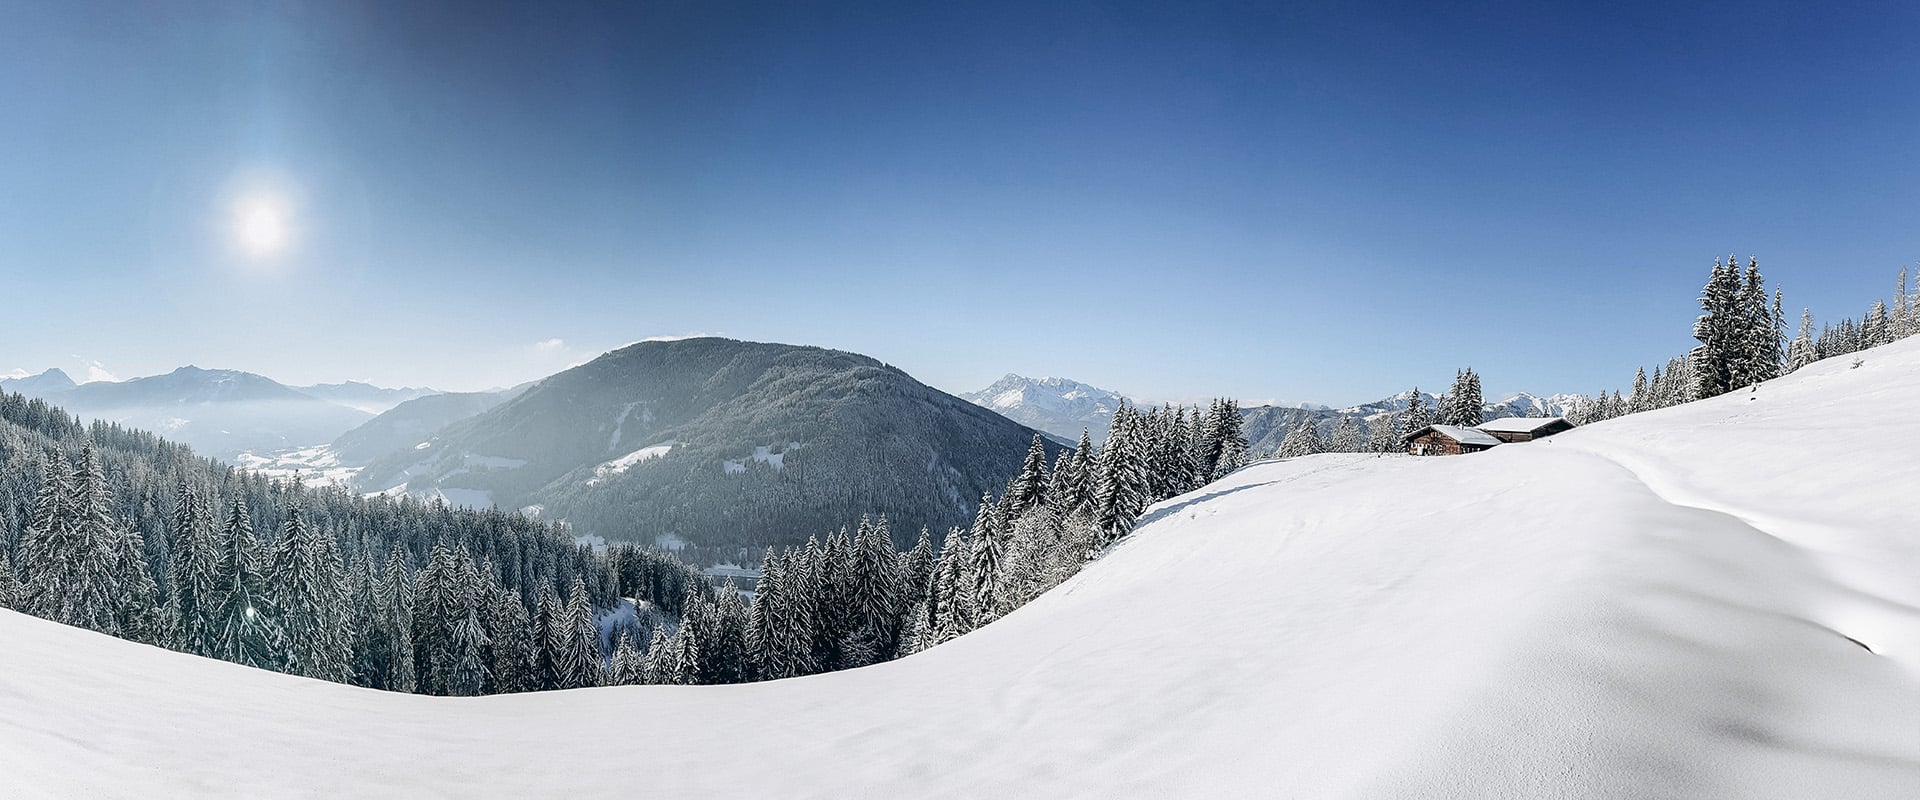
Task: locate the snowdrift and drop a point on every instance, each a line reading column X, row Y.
column 1715, row 600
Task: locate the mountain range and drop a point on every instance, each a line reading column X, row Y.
column 1058, row 406
column 219, row 412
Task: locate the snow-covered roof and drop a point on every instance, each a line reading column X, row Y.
column 1459, row 434
column 1518, row 424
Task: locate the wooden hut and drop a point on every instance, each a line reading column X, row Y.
column 1448, row 440
column 1524, row 429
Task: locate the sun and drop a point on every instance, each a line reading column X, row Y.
column 262, row 227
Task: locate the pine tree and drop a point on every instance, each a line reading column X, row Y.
column 576, row 641
column 952, row 588
column 1800, row 352
column 779, row 633
column 726, row 657
column 396, row 601
column 1122, row 492
column 303, row 582
column 1875, row 328
column 510, row 631
column 1077, row 491
column 1304, row 439
column 629, row 668
column 246, row 625
column 1029, row 488
column 1347, row 437
column 877, row 590
column 442, row 601
column 196, row 568
column 1466, row 405
column 1233, row 445
column 1640, row 401
column 1718, row 359
column 9, row 583
column 987, row 556
column 547, row 612
column 1416, row 417
column 71, row 574
column 1383, row 434
column 656, row 665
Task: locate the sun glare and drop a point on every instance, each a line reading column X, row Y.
column 261, row 227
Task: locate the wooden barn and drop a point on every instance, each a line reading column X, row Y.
column 1524, row 429
column 1448, row 440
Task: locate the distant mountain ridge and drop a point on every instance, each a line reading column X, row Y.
column 218, row 412
column 1060, row 406
column 365, row 396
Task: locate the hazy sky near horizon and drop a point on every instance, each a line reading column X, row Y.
column 1303, row 201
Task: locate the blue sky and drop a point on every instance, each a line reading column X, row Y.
column 1308, row 201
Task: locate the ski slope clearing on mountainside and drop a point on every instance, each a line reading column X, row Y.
column 1715, row 600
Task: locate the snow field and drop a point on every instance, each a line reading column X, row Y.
column 1715, row 600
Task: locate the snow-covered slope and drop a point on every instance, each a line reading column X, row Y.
column 1714, row 600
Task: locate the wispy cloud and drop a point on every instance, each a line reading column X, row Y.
column 92, row 371
column 553, row 345
column 14, row 374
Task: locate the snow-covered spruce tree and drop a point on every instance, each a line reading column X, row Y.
column 547, row 611
column 1186, row 469
column 196, row 568
column 1415, row 417
column 877, row 590
column 985, row 562
column 510, row 631
column 727, row 659
column 69, row 571
column 399, row 672
column 656, row 665
column 952, row 586
column 304, row 583
column 1468, row 405
column 1719, row 359
column 1233, row 444
column 1122, row 492
column 1383, row 433
column 246, row 625
column 1800, row 350
column 629, row 668
column 1029, row 488
column 1304, row 439
column 441, row 601
column 468, row 674
column 1347, row 437
column 1875, row 327
column 1077, row 489
column 779, row 632
column 1641, row 399
column 575, row 641
column 9, row 582
column 916, row 568
column 1761, row 334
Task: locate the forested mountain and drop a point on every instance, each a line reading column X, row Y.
column 409, row 423
column 1058, row 406
column 723, row 443
column 218, row 412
